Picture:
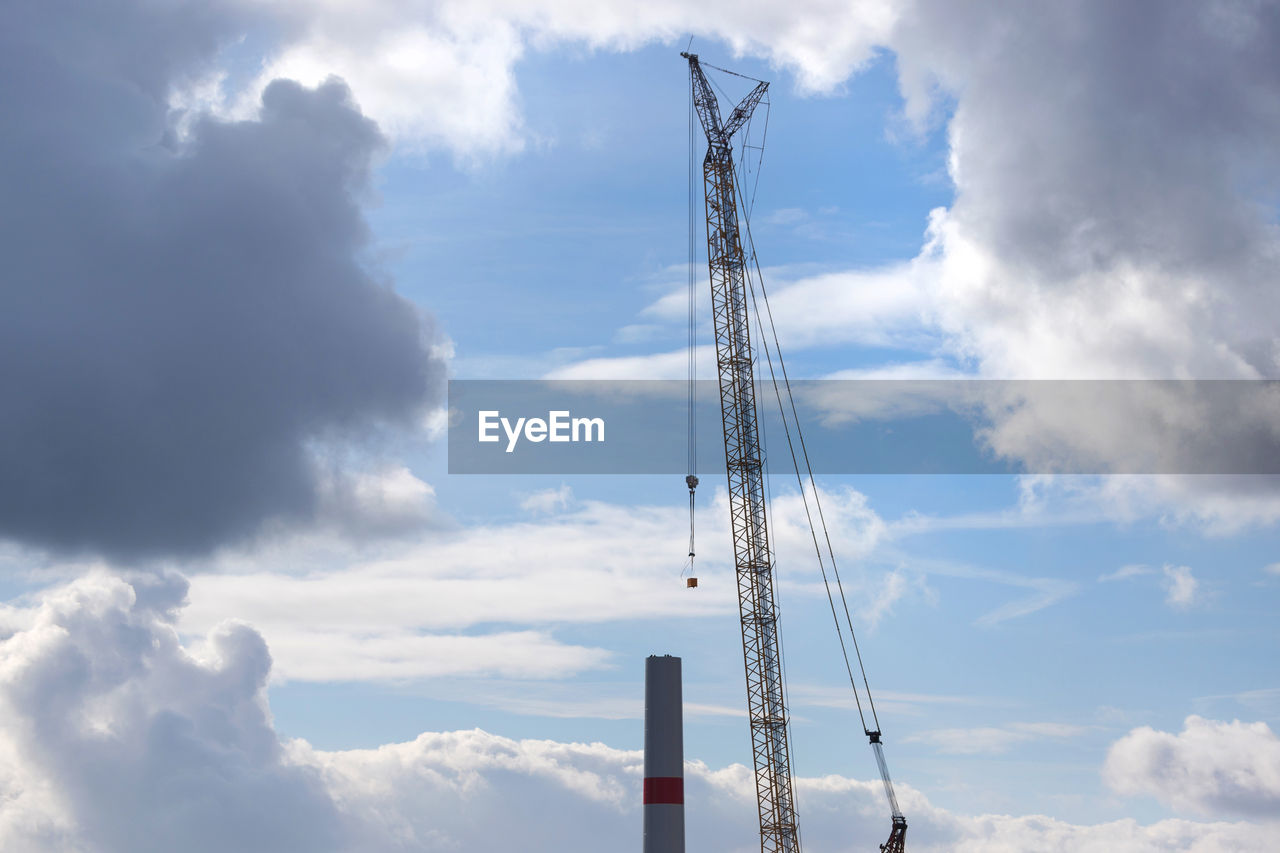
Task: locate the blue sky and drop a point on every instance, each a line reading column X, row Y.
column 257, row 566
column 550, row 252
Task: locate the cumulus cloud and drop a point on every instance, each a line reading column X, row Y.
column 1113, row 179
column 442, row 74
column 448, row 85
column 118, row 738
column 1210, row 767
column 184, row 323
column 1118, row 227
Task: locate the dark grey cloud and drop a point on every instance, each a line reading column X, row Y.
column 183, row 321
column 1117, row 164
column 1093, row 133
column 1116, row 178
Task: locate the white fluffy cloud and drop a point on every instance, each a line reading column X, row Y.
column 449, row 85
column 442, row 72
column 1209, row 767
column 117, row 738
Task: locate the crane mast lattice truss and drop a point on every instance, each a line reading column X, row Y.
column 766, row 705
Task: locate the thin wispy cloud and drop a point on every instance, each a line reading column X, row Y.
column 989, row 740
column 1126, row 572
column 1042, row 591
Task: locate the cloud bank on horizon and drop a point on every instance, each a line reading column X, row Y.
column 117, row 737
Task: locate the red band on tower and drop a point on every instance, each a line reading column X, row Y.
column 664, row 791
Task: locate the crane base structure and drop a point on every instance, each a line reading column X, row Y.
column 897, row 842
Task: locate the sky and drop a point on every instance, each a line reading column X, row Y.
column 247, row 607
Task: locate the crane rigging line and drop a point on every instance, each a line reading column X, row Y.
column 691, row 479
column 705, row 64
column 693, row 301
column 897, row 836
column 804, row 485
column 791, row 445
column 808, row 513
column 744, row 162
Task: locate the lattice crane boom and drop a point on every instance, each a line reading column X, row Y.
column 753, row 557
column 748, row 510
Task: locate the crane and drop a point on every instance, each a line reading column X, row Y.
column 744, row 463
column 766, row 705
